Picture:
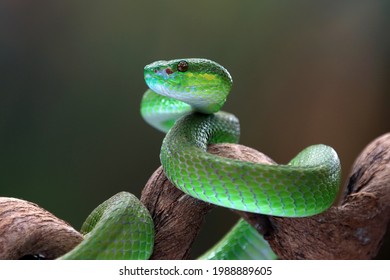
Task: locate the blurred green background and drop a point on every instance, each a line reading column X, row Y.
column 71, row 81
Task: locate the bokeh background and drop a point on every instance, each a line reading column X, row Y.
column 71, row 81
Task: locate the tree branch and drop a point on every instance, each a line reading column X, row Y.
column 28, row 230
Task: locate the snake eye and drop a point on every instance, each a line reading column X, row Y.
column 182, row 66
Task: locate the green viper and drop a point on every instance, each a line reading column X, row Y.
column 184, row 101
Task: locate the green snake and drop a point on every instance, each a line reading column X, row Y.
column 184, row 101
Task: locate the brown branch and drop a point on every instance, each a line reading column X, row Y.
column 170, row 208
column 26, row 229
column 352, row 230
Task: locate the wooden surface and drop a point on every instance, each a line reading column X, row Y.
column 28, row 230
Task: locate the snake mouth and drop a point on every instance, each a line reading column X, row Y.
column 159, row 74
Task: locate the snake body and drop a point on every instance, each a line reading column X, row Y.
column 119, row 228
column 184, row 100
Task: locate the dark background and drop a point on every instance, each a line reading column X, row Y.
column 71, row 80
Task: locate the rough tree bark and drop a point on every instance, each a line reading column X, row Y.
column 28, row 230
column 352, row 229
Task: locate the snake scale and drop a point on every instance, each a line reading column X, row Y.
column 184, row 101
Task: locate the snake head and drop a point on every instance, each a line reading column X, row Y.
column 202, row 83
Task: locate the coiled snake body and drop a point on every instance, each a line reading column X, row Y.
column 184, row 100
